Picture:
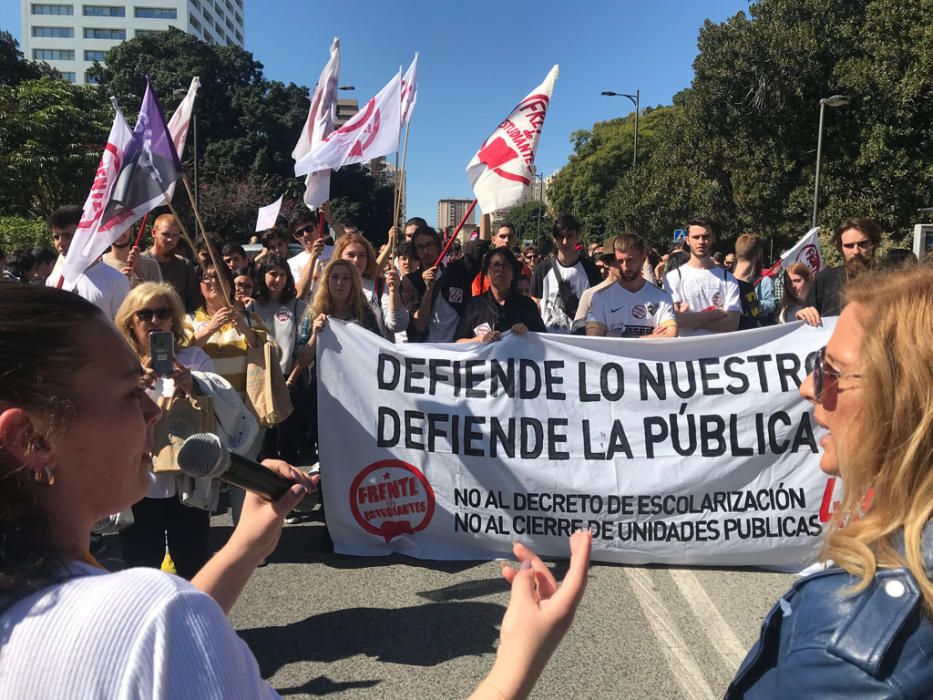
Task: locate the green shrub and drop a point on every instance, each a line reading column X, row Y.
column 16, row 233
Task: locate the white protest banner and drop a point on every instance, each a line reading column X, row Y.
column 268, row 215
column 688, row 451
column 807, row 251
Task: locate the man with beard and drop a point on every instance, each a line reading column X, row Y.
column 126, row 259
column 706, row 296
column 631, row 308
column 857, row 239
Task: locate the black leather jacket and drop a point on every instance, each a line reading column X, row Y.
column 819, row 643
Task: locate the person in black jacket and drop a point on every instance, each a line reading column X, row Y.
column 436, row 295
column 502, row 308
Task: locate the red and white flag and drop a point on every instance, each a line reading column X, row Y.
column 372, row 132
column 807, row 251
column 179, row 123
column 89, row 242
column 505, row 164
column 410, row 89
column 322, row 116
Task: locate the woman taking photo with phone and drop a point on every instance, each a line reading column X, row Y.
column 155, row 308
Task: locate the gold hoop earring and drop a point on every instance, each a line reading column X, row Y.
column 44, row 478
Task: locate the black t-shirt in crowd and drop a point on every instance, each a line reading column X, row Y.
column 485, row 310
column 826, row 291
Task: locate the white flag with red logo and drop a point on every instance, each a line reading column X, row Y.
column 372, row 132
column 89, row 242
column 807, row 251
column 505, row 164
column 322, row 116
column 179, row 123
column 410, row 89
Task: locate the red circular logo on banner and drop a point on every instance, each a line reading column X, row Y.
column 391, row 498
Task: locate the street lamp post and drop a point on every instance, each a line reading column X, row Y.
column 635, row 101
column 834, row 101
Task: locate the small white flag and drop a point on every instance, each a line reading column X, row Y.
column 504, row 165
column 268, row 215
column 322, row 116
column 90, row 241
column 410, row 89
column 807, row 251
column 372, row 132
column 179, row 123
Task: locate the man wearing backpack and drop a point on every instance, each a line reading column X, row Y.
column 706, row 297
column 558, row 284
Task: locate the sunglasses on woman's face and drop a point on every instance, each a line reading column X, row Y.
column 824, row 373
column 163, row 314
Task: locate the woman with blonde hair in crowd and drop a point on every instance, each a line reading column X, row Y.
column 797, row 280
column 153, row 307
column 864, row 625
column 380, row 287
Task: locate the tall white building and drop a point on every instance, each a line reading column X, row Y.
column 70, row 36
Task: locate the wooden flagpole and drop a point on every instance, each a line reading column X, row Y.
column 210, row 249
column 400, row 176
column 453, row 236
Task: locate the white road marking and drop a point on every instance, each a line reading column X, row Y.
column 721, row 636
column 679, row 657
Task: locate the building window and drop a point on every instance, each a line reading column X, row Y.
column 149, row 32
column 228, row 21
column 53, row 54
column 155, row 12
column 196, row 3
column 90, row 79
column 54, row 32
column 194, row 22
column 38, row 9
column 94, row 55
column 239, row 36
column 104, row 33
column 69, row 76
column 104, row 11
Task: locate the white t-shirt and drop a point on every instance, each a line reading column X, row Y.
column 134, row 634
column 391, row 323
column 628, row 314
column 545, row 286
column 703, row 290
column 100, row 284
column 297, row 263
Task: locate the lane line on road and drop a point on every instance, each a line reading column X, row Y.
column 720, row 634
column 683, row 666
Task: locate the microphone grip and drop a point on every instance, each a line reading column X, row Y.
column 256, row 478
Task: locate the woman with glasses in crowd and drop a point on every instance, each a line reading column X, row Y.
column 225, row 331
column 797, row 281
column 863, row 627
column 281, row 311
column 149, row 308
column 502, row 308
column 244, row 287
column 380, row 288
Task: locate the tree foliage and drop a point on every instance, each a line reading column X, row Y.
column 740, row 144
column 531, row 221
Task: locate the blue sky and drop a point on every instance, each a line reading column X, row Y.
column 478, row 59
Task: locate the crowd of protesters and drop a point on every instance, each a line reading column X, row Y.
column 218, row 305
column 221, row 304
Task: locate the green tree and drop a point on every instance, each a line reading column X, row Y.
column 51, row 136
column 14, row 68
column 531, row 221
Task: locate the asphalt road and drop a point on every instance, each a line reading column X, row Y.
column 323, row 624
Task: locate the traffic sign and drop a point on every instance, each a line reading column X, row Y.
column 680, row 234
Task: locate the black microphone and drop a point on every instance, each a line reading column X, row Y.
column 202, row 456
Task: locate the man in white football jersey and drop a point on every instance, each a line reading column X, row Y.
column 631, row 308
